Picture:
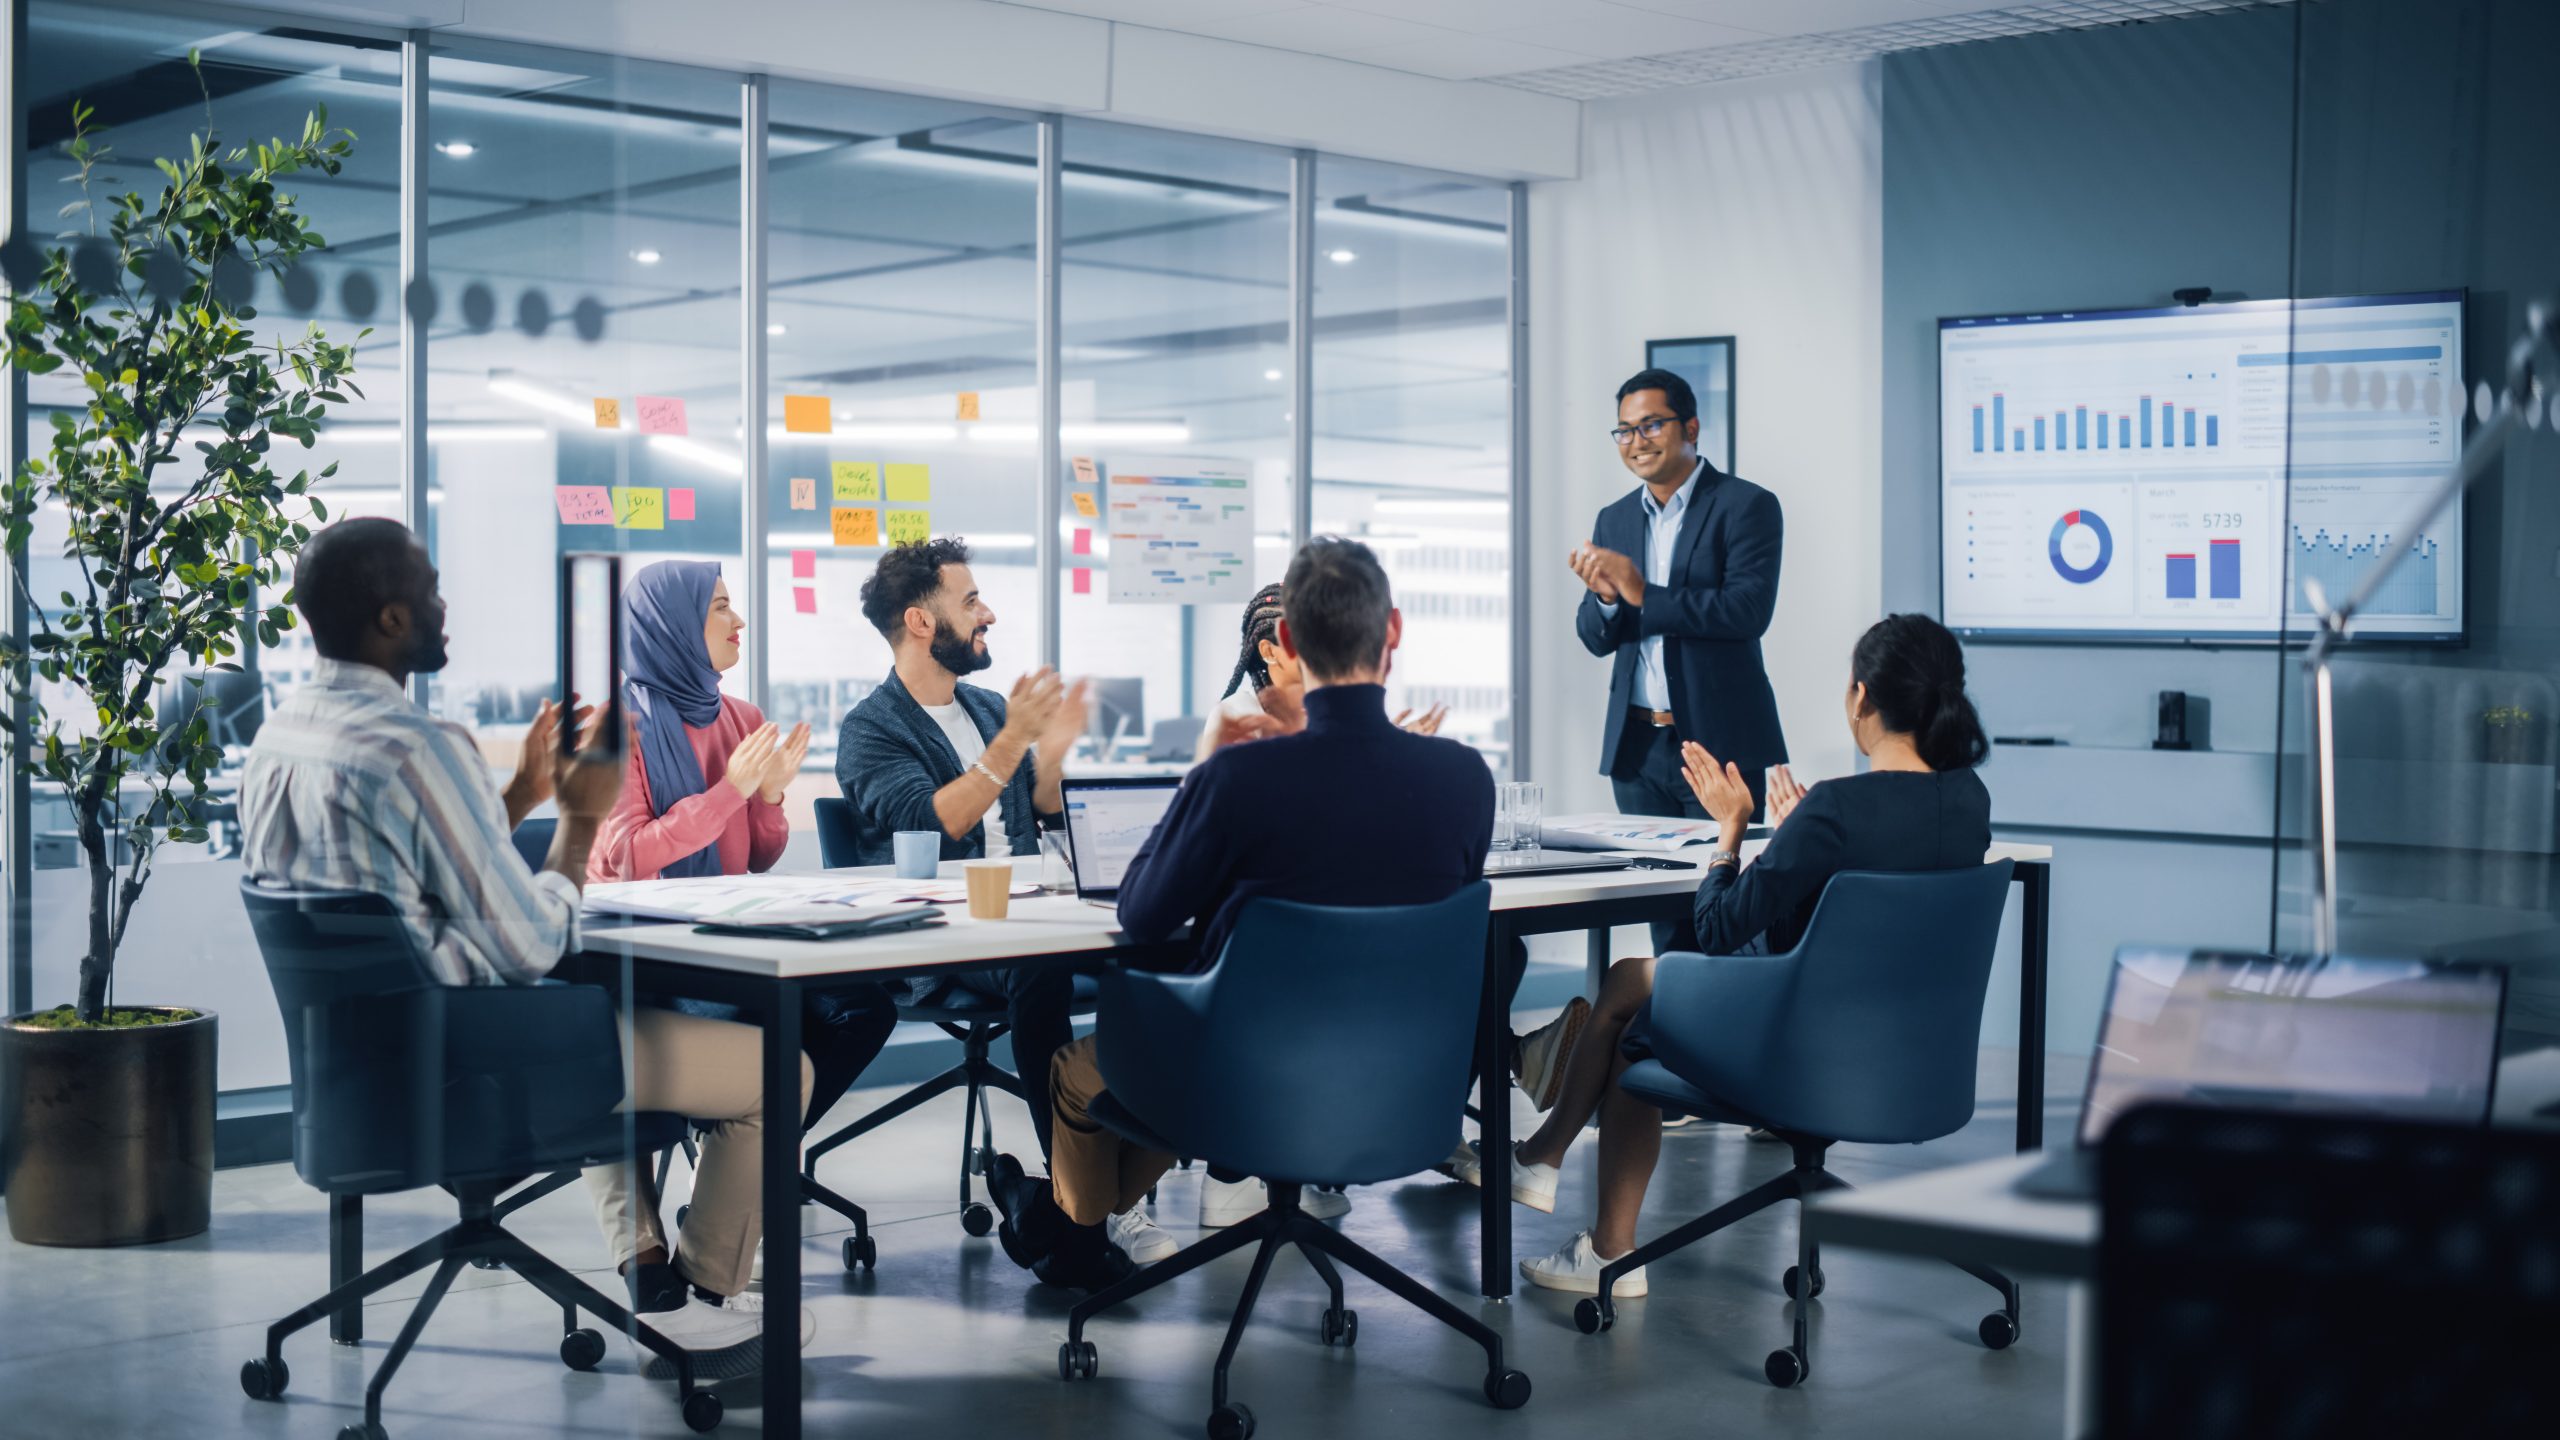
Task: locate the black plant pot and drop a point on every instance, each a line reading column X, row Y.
column 108, row 1136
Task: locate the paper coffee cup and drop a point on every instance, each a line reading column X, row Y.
column 990, row 888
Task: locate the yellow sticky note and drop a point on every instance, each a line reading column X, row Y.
column 906, row 527
column 910, row 484
column 968, row 404
column 857, row 482
column 804, row 493
column 857, row 527
column 1084, row 504
column 608, row 413
column 639, row 507
column 807, row 415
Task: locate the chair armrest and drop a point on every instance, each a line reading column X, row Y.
column 1716, row 1018
column 1158, row 1024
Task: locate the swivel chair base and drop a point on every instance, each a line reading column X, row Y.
column 976, row 1074
column 1802, row 1281
column 1285, row 1224
column 477, row 1237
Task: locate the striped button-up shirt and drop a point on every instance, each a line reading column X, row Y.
column 351, row 786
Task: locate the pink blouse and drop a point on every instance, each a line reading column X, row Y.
column 634, row 844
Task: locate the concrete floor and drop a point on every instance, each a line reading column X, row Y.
column 950, row 1339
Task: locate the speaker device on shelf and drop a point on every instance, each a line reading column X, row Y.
column 2182, row 721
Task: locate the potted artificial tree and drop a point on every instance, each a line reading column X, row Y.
column 175, row 520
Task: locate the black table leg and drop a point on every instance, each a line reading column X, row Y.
column 1595, row 961
column 2035, row 879
column 346, row 1262
column 1493, row 1099
column 781, row 1200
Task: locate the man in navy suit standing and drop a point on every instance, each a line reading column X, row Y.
column 1682, row 576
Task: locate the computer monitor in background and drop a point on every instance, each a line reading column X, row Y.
column 1119, row 712
column 233, row 702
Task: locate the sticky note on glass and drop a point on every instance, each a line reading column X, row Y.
column 1084, row 541
column 857, row 527
column 906, row 527
column 639, row 507
column 804, row 599
column 857, row 482
column 968, row 404
column 680, row 503
column 608, row 414
column 1084, row 505
column 804, row 493
column 910, row 484
column 661, row 415
column 804, row 564
column 584, row 505
column 807, row 415
column 1084, row 469
column 1084, row 581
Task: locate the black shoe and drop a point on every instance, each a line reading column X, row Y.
column 1084, row 1259
column 1031, row 1219
column 656, row 1287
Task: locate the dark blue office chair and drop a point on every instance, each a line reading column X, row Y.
column 401, row 1082
column 1865, row 1032
column 1219, row 1065
column 533, row 840
column 976, row 1027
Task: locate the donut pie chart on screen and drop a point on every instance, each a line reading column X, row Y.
column 2080, row 546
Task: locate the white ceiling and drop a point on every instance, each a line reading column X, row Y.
column 1586, row 49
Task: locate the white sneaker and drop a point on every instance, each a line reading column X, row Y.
column 1533, row 1185
column 1545, row 1051
column 1324, row 1204
column 724, row 1340
column 1226, row 1202
column 750, row 1303
column 1575, row 1269
column 1134, row 1231
column 1465, row 1165
column 1683, row 1121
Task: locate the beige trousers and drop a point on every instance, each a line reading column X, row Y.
column 1093, row 1173
column 706, row 1070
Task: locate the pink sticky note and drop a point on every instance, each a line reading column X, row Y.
column 804, row 598
column 1084, row 541
column 804, row 564
column 1084, row 581
column 584, row 504
column 662, row 415
column 679, row 502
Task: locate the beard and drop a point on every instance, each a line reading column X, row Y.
column 426, row 652
column 959, row 655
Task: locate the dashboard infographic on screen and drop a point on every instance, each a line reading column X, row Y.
column 2180, row 473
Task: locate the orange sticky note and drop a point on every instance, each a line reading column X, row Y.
column 804, row 564
column 804, row 493
column 807, row 415
column 1084, row 541
column 804, row 599
column 856, row 526
column 608, row 413
column 1084, row 581
column 1084, row 469
column 661, row 415
column 680, row 503
column 1084, row 505
column 968, row 404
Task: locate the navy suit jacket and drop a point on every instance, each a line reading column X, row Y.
column 1711, row 615
column 1349, row 811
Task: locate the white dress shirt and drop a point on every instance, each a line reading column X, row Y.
column 1661, row 536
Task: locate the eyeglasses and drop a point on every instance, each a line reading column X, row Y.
column 1625, row 435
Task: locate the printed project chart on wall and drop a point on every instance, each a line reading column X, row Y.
column 1181, row 531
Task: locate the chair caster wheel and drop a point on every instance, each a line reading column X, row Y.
column 977, row 1219
column 1507, row 1389
column 363, row 1432
column 681, row 1212
column 702, row 1412
column 1998, row 1330
column 1231, row 1422
column 1339, row 1327
column 1793, row 1283
column 861, row 1252
column 581, row 1349
column 263, row 1379
column 1785, row 1369
column 487, row 1262
column 1077, row 1360
column 1591, row 1317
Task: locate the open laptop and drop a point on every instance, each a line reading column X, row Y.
column 1550, row 862
column 1107, row 820
column 2416, row 1039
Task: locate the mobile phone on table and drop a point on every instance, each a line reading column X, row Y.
column 591, row 647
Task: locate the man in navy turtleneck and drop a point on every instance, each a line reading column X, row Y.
column 1344, row 809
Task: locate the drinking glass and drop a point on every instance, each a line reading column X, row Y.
column 1505, row 834
column 1526, row 800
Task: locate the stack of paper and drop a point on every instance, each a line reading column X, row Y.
column 771, row 899
column 1650, row 833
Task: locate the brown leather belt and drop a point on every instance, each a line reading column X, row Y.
column 1660, row 719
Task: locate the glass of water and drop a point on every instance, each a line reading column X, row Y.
column 1057, row 870
column 1525, row 803
column 1505, row 833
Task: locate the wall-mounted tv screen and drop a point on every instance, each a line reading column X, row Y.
column 2178, row 474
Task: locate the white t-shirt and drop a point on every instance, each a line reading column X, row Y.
column 960, row 730
column 1235, row 707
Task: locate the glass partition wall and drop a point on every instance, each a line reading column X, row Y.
column 593, row 259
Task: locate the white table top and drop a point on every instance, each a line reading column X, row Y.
column 1965, row 1212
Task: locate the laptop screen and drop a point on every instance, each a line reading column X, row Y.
column 2407, row 1038
column 1107, row 820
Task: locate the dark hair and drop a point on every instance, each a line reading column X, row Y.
column 908, row 575
column 1914, row 673
column 347, row 574
column 1261, row 622
column 1676, row 391
column 1336, row 601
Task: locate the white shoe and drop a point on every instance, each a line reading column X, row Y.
column 1683, row 1121
column 1533, row 1185
column 1575, row 1269
column 1324, row 1204
column 1134, row 1231
column 1228, row 1202
column 724, row 1340
column 1545, row 1051
column 749, row 1303
column 1465, row 1165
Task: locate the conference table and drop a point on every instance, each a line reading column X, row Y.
column 765, row 979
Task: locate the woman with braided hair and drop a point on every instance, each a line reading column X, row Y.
column 1263, row 694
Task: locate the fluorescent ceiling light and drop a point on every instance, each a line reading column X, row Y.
column 542, row 398
column 444, row 433
column 1105, row 433
column 645, row 255
column 777, row 328
column 719, row 462
column 868, row 430
column 1444, row 507
column 458, row 149
column 1271, row 375
column 1341, row 257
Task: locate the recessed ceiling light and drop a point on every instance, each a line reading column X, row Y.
column 1341, row 257
column 777, row 328
column 1270, row 374
column 458, row 149
column 645, row 257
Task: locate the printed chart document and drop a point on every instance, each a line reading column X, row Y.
column 1656, row 834
column 771, row 899
column 1181, row 531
